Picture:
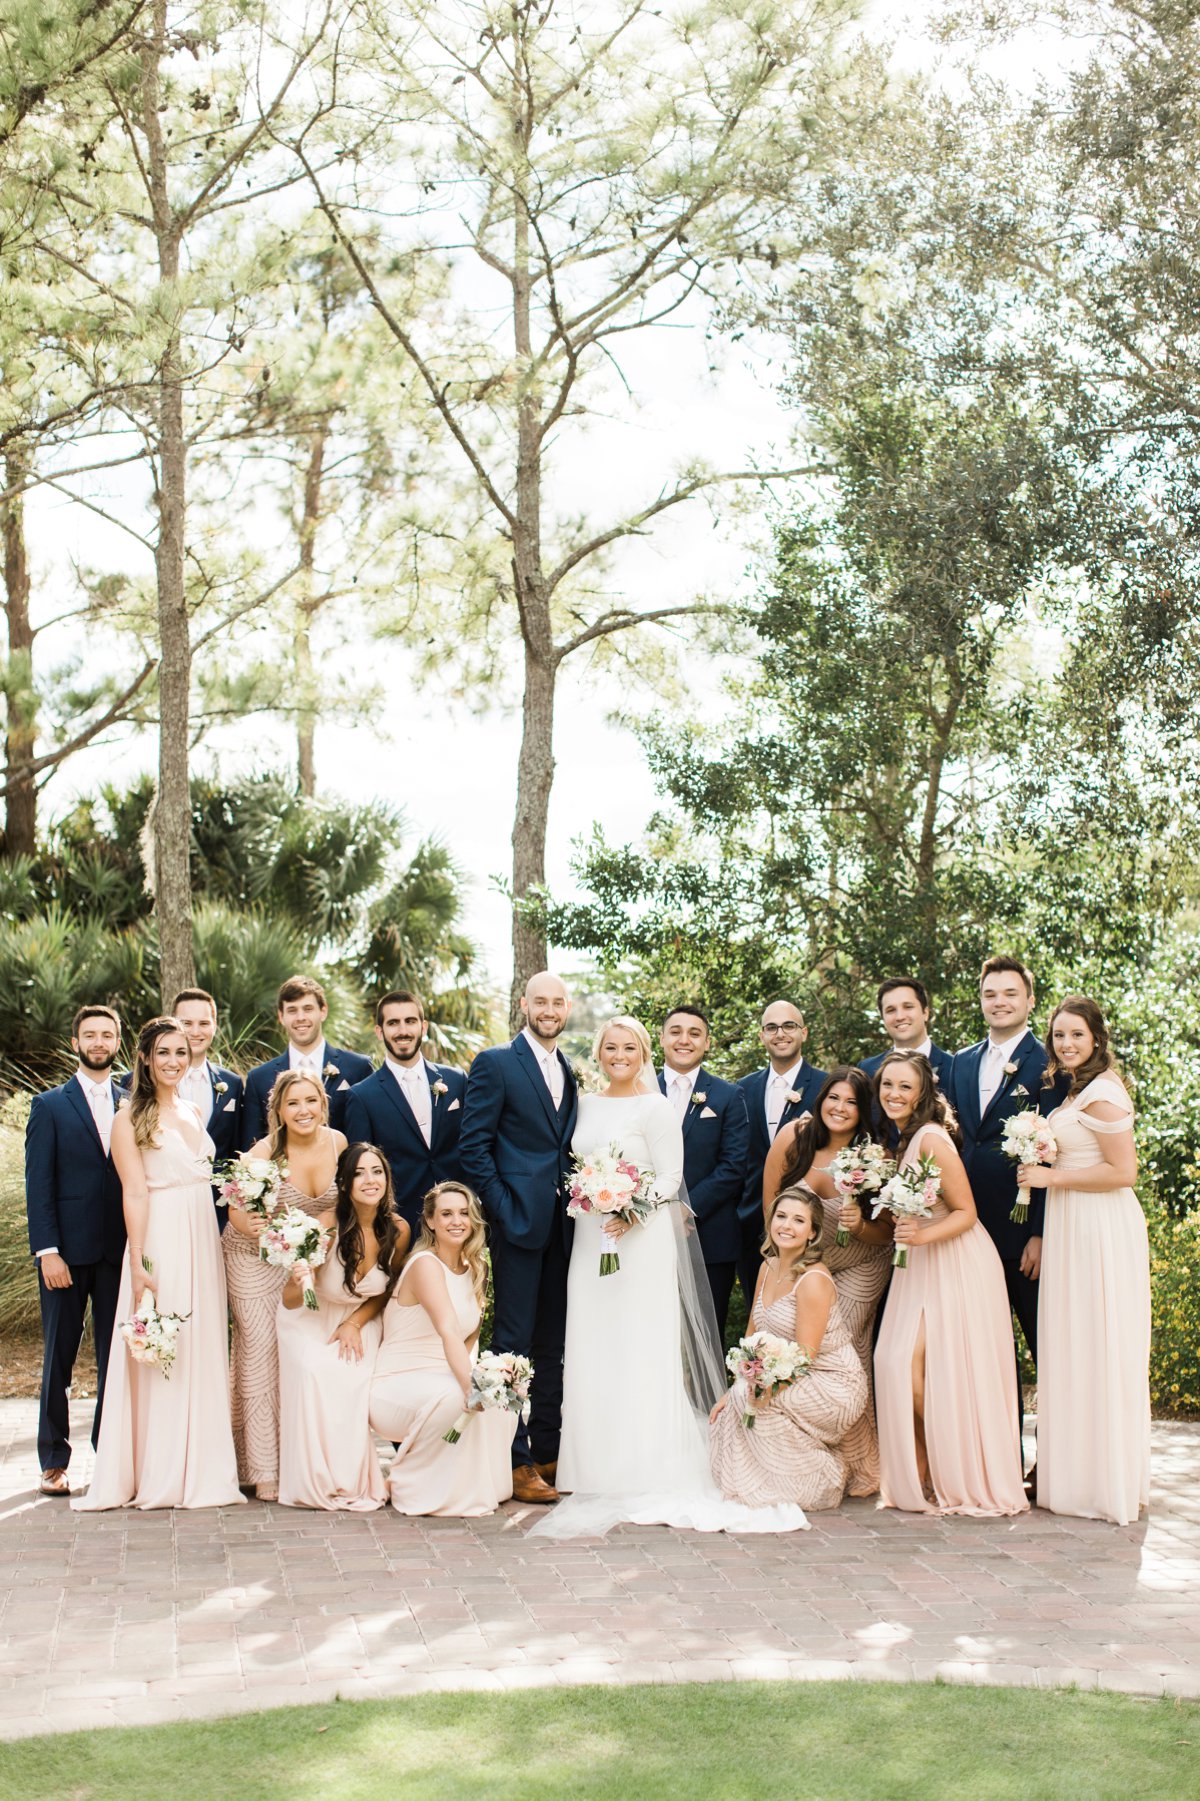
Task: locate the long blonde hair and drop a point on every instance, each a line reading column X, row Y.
column 276, row 1129
column 812, row 1252
column 474, row 1250
column 143, row 1095
column 647, row 1079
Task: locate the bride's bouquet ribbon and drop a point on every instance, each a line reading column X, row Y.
column 766, row 1364
column 909, row 1195
column 292, row 1240
column 612, row 1186
column 499, row 1382
column 1029, row 1141
column 857, row 1171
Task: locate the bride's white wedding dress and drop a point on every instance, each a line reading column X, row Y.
column 643, row 1363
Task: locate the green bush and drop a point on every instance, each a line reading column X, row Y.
column 1175, row 1287
column 19, row 1312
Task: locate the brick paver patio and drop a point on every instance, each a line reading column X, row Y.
column 124, row 1618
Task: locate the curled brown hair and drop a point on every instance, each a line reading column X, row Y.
column 385, row 1225
column 1101, row 1059
column 814, row 1135
column 932, row 1107
column 812, row 1253
column 473, row 1251
column 276, row 1129
column 143, row 1095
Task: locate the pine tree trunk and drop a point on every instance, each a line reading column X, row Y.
column 535, row 774
column 20, row 802
column 306, row 611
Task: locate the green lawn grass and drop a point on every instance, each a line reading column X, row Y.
column 728, row 1742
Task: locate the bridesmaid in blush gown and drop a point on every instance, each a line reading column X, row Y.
column 1093, row 1433
column 165, row 1439
column 299, row 1137
column 945, row 1384
column 422, row 1379
column 327, row 1458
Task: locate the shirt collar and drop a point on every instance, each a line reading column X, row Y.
column 786, row 1075
column 1010, row 1048
column 103, row 1086
column 539, row 1050
column 686, row 1076
column 403, row 1071
column 923, row 1049
column 318, row 1057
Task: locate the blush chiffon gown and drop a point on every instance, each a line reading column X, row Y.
column 327, row 1457
column 166, row 1440
column 972, row 1429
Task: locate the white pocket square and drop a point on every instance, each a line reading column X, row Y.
column 708, row 1113
column 230, row 1107
column 341, row 1085
column 451, row 1107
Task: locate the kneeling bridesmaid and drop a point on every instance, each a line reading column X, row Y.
column 326, row 1455
column 792, row 1452
column 423, row 1371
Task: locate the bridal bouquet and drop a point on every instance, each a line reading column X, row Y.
column 1028, row 1140
column 859, row 1170
column 607, row 1183
column 150, row 1336
column 909, row 1195
column 292, row 1240
column 500, row 1380
column 766, row 1364
column 252, row 1184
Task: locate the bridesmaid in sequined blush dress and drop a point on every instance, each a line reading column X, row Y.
column 299, row 1137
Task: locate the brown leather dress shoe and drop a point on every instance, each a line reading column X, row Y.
column 529, row 1487
column 55, row 1482
column 547, row 1471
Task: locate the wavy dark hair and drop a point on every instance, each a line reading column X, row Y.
column 932, row 1107
column 143, row 1095
column 385, row 1225
column 815, row 1135
column 1101, row 1059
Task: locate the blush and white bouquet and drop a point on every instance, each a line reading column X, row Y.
column 500, row 1380
column 909, row 1195
column 857, row 1171
column 610, row 1184
column 766, row 1364
column 252, row 1184
column 292, row 1240
column 1029, row 1141
column 152, row 1337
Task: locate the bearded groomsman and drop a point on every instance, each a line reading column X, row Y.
column 215, row 1093
column 516, row 1151
column 903, row 1005
column 716, row 1136
column 783, row 1091
column 302, row 1011
column 410, row 1108
column 76, row 1227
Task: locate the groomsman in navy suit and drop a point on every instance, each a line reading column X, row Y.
column 903, row 1004
column 76, row 1227
column 215, row 1093
column 989, row 1082
column 783, row 1091
column 410, row 1108
column 302, row 1010
column 715, row 1141
column 516, row 1150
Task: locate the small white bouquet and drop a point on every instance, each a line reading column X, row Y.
column 766, row 1364
column 152, row 1337
column 909, row 1195
column 857, row 1171
column 608, row 1183
column 1029, row 1141
column 252, row 1184
column 291, row 1240
column 500, row 1380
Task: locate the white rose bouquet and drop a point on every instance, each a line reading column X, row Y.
column 909, row 1195
column 499, row 1380
column 607, row 1183
column 857, row 1171
column 291, row 1240
column 765, row 1364
column 152, row 1337
column 251, row 1184
column 1029, row 1141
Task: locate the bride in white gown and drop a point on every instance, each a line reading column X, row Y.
column 643, row 1363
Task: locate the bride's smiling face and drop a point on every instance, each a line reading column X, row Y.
column 620, row 1055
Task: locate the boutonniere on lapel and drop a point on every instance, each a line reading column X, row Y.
column 792, row 1098
column 438, row 1087
column 330, row 1070
column 220, row 1087
column 699, row 1096
column 1010, row 1069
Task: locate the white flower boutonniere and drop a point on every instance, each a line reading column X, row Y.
column 698, row 1097
column 439, row 1087
column 330, row 1070
column 1010, row 1069
column 220, row 1087
column 793, row 1099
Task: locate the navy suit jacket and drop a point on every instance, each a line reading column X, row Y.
column 716, row 1135
column 377, row 1112
column 754, row 1093
column 350, row 1069
column 992, row 1175
column 515, row 1146
column 72, row 1191
column 940, row 1059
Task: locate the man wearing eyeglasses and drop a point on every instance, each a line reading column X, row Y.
column 783, row 1091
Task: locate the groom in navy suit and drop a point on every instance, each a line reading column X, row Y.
column 516, row 1149
column 76, row 1227
column 783, row 1091
column 715, row 1138
column 410, row 1108
column 302, row 1010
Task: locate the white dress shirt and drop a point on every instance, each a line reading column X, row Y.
column 549, row 1064
column 775, row 1100
column 196, row 1088
column 991, row 1067
column 680, row 1084
column 311, row 1062
column 100, row 1104
column 414, row 1085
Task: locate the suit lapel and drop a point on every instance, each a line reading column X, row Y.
column 400, row 1101
column 1024, row 1049
column 533, row 1070
column 437, row 1102
column 970, row 1097
column 75, row 1096
column 698, row 1086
